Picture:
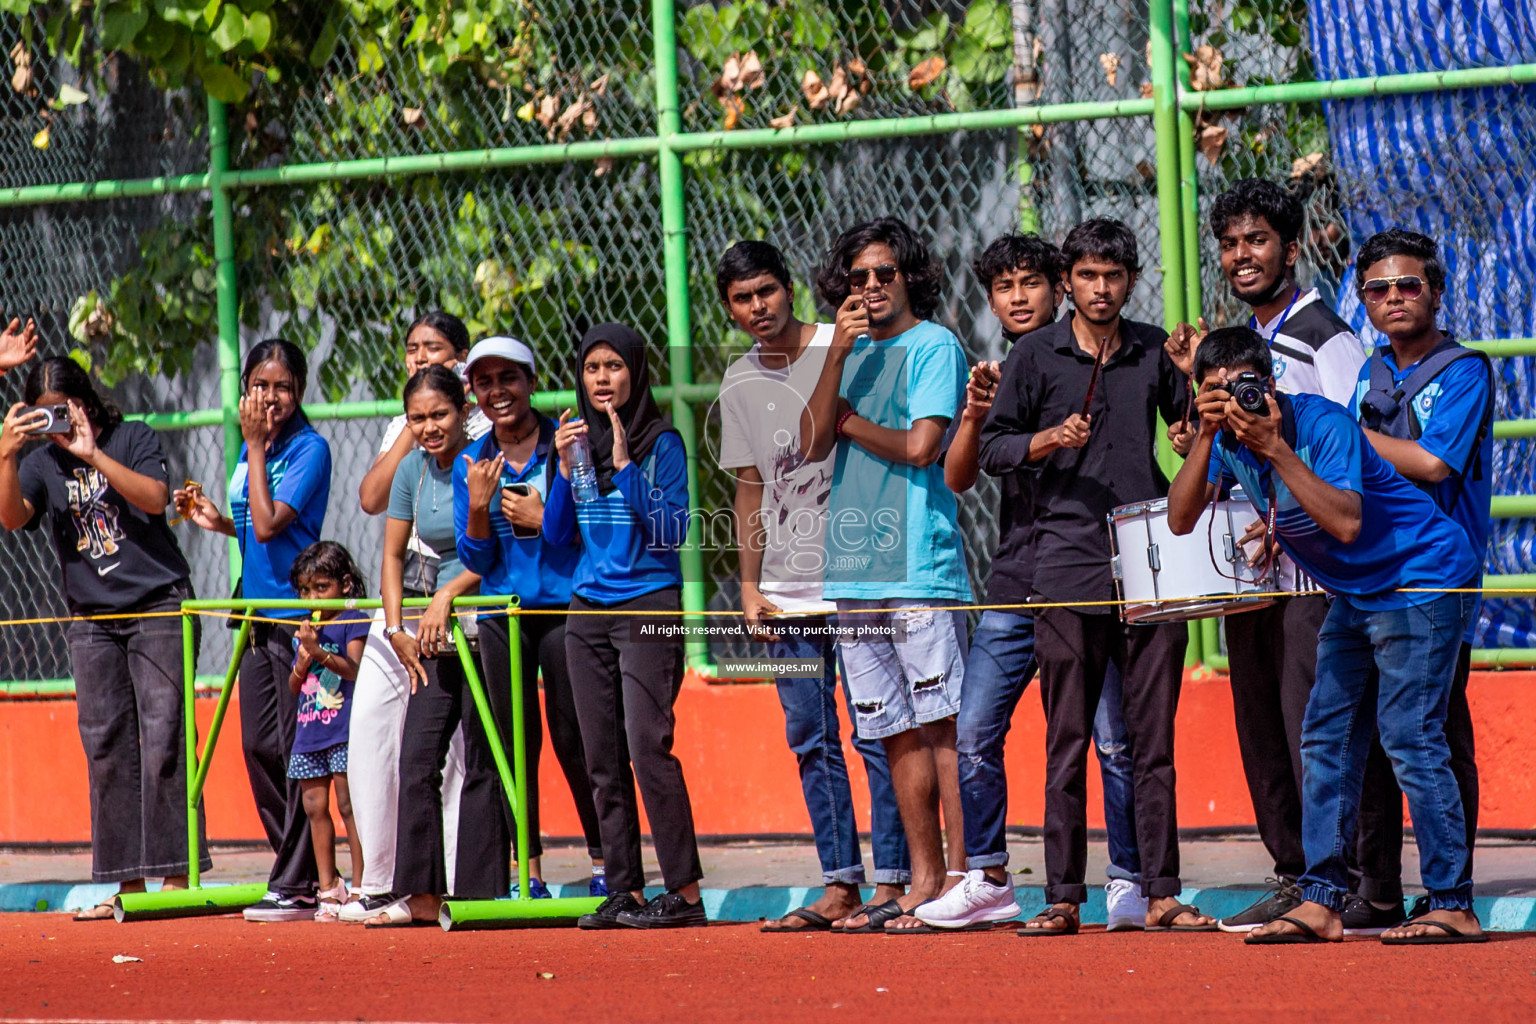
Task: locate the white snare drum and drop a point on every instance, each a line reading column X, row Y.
column 1167, row 578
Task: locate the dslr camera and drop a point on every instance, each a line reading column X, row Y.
column 1248, row 390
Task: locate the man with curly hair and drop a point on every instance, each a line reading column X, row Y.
column 892, row 381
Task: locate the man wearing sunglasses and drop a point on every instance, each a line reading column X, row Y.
column 1427, row 407
column 1388, row 647
column 1078, row 404
column 891, row 383
column 1273, row 651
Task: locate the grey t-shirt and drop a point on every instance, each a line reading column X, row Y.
column 422, row 493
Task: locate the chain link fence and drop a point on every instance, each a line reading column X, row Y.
column 543, row 251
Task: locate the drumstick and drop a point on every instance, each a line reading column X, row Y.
column 1098, row 371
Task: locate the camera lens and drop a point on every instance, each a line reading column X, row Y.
column 1249, row 397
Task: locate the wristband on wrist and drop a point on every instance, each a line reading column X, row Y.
column 841, row 420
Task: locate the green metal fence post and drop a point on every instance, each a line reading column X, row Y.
column 1189, row 179
column 227, row 296
column 674, row 227
column 519, row 747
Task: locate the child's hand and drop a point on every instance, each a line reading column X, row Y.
column 309, row 641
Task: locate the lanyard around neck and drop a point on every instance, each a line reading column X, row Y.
column 1253, row 321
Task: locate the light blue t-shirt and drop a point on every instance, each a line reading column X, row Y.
column 1404, row 541
column 422, row 492
column 1449, row 411
column 299, row 476
column 891, row 527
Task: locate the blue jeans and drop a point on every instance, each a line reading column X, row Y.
column 1001, row 664
column 811, row 726
column 1388, row 671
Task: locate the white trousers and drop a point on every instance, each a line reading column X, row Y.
column 373, row 763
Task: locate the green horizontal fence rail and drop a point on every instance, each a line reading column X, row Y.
column 1171, row 107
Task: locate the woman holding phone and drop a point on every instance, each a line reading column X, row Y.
column 277, row 500
column 629, row 581
column 500, row 483
column 102, row 486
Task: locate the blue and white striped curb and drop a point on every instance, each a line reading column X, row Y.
column 1498, row 913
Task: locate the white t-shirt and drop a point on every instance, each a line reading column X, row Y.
column 476, row 426
column 760, row 408
column 1315, row 352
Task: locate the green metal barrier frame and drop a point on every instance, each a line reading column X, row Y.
column 462, row 915
column 1171, row 107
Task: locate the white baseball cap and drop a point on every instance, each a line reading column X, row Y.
column 501, row 347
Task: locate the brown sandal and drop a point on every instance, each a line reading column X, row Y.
column 1172, row 914
column 1073, row 923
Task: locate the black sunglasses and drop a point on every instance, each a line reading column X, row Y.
column 859, row 276
column 1409, row 286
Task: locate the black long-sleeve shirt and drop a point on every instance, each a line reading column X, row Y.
column 1044, row 382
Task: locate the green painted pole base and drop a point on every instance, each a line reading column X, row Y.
column 156, row 906
column 483, row 915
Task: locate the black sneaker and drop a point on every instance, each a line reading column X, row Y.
column 607, row 913
column 1361, row 917
column 1279, row 901
column 669, row 910
column 274, row 907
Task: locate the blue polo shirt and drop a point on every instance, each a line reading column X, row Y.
column 536, row 569
column 299, row 476
column 630, row 536
column 892, row 528
column 1404, row 541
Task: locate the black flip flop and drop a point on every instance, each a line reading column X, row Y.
column 1303, row 936
column 814, row 922
column 875, row 918
column 110, row 904
column 1165, row 923
column 1074, row 924
column 1452, row 936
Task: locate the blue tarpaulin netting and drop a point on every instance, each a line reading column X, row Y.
column 1459, row 166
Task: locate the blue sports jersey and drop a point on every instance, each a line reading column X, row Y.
column 1404, row 542
column 299, row 476
column 630, row 536
column 1449, row 411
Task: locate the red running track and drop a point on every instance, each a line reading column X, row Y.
column 223, row 969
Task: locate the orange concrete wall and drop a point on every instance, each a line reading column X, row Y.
column 741, row 775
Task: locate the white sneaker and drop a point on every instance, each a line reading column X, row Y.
column 977, row 900
column 1127, row 906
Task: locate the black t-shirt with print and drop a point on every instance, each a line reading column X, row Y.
column 113, row 555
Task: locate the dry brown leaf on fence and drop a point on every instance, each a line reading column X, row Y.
column 785, row 120
column 1212, row 141
column 602, row 166
column 1146, row 90
column 1206, row 72
column 568, row 119
column 599, row 87
column 589, row 118
column 1110, row 62
column 926, row 73
column 838, row 87
column 411, row 116
column 859, row 71
column 849, row 103
column 815, row 90
column 21, row 78
column 546, row 110
column 752, row 76
column 733, row 110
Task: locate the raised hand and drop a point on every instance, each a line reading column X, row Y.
column 620, row 439
column 565, row 435
column 483, row 478
column 852, row 321
column 17, row 344
column 255, row 421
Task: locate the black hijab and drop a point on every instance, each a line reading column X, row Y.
column 643, row 420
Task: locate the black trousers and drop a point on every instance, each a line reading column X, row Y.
column 128, row 695
column 1272, row 655
column 431, row 717
column 625, row 688
column 269, row 714
column 1074, row 650
column 1379, row 833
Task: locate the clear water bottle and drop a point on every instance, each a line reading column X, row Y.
column 583, row 473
